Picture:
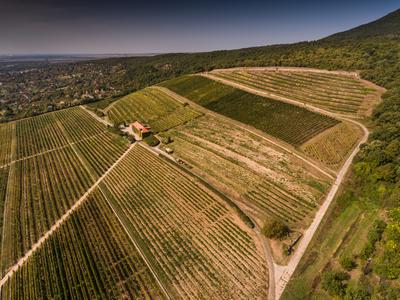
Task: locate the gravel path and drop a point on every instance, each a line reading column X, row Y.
column 284, row 273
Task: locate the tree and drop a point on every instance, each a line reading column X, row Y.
column 333, row 282
column 275, row 229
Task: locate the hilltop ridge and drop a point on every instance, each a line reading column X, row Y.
column 388, row 25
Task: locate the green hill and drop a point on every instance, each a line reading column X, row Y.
column 388, row 25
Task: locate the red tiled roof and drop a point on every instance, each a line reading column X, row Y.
column 142, row 128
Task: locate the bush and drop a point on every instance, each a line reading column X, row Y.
column 347, row 262
column 151, row 140
column 333, row 282
column 275, row 229
column 99, row 113
column 358, row 293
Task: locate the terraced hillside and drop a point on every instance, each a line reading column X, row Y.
column 198, row 247
column 344, row 94
column 6, row 141
column 284, row 121
column 89, row 257
column 52, row 170
column 265, row 180
column 150, row 106
column 332, row 146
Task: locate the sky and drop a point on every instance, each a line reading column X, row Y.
column 159, row 26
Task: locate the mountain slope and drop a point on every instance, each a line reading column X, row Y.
column 388, row 25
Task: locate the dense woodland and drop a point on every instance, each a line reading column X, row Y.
column 375, row 180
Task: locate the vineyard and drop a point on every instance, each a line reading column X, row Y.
column 3, row 188
column 39, row 134
column 40, row 190
column 150, row 106
column 89, row 257
column 199, row 248
column 101, row 151
column 290, row 123
column 78, row 124
column 6, row 140
column 256, row 173
column 55, row 168
column 336, row 93
column 333, row 146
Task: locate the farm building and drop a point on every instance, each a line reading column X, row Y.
column 142, row 130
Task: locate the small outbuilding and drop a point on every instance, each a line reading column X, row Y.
column 141, row 130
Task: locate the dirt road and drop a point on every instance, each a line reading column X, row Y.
column 287, row 149
column 284, row 273
column 59, row 222
column 105, row 122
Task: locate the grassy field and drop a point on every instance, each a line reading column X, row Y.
column 151, row 106
column 89, row 257
column 287, row 122
column 336, row 93
column 199, row 248
column 343, row 233
column 266, row 181
column 333, row 146
column 54, row 169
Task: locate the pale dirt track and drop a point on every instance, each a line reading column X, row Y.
column 279, row 275
column 60, row 221
column 281, row 146
column 292, row 69
column 105, row 122
column 284, row 273
column 77, row 204
column 51, row 150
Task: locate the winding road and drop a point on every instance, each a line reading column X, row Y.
column 283, row 274
column 279, row 275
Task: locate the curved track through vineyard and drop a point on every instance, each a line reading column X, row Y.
column 336, row 93
column 292, row 124
column 198, row 247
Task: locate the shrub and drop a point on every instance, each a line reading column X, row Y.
column 275, row 229
column 151, row 140
column 347, row 262
column 357, row 293
column 333, row 282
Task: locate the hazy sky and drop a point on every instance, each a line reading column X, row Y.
column 122, row 26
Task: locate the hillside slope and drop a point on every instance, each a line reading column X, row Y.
column 388, row 25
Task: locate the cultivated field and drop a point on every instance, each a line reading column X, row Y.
column 337, row 93
column 332, row 146
column 150, row 106
column 284, row 121
column 53, row 170
column 88, row 257
column 198, row 247
column 6, row 141
column 267, row 181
